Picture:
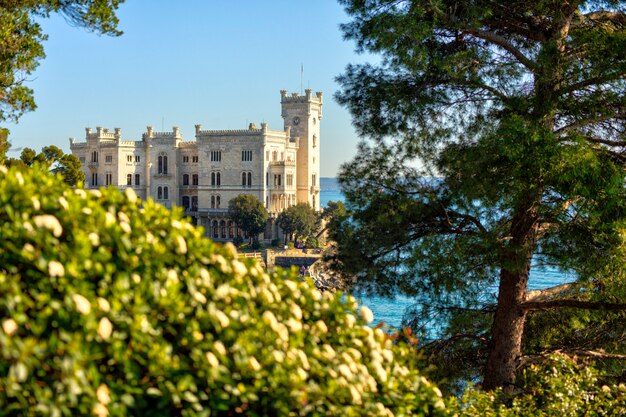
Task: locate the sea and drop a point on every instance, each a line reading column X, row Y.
column 391, row 310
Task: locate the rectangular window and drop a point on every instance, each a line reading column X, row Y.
column 129, row 179
column 82, row 159
column 194, row 159
column 94, row 180
column 194, row 179
column 246, row 156
column 216, row 156
column 129, row 158
column 137, row 158
column 289, row 180
column 109, row 179
column 108, row 158
column 185, row 159
column 137, row 180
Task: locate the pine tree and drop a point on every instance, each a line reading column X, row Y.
column 496, row 140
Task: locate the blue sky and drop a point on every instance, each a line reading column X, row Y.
column 180, row 63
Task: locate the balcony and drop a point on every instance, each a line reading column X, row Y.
column 92, row 164
column 213, row 211
column 283, row 163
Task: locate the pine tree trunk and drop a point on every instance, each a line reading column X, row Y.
column 508, row 325
column 507, row 330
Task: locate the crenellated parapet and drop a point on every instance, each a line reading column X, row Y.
column 151, row 134
column 297, row 98
column 307, row 102
column 251, row 131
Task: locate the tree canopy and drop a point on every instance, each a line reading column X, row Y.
column 249, row 213
column 300, row 220
column 496, row 141
column 21, row 42
column 51, row 157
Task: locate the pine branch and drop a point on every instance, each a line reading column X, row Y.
column 504, row 44
column 570, row 303
column 527, row 360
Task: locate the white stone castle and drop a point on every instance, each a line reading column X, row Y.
column 279, row 167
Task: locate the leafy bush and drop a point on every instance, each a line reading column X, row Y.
column 238, row 241
column 109, row 307
column 556, row 388
column 312, row 242
column 275, row 242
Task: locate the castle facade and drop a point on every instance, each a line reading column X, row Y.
column 279, row 167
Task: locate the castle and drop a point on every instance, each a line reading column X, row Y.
column 279, row 167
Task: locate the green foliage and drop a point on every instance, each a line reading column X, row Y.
column 238, row 241
column 112, row 306
column 556, row 388
column 312, row 242
column 494, row 142
column 52, row 157
column 249, row 213
column 4, row 144
column 275, row 242
column 21, row 41
column 299, row 220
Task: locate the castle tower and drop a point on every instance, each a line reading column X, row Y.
column 302, row 115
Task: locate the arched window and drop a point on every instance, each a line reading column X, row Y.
column 194, row 203
column 215, row 229
column 129, row 179
column 185, row 179
column 223, row 229
column 212, row 179
column 231, row 230
column 212, row 201
column 162, row 164
column 160, row 193
column 194, row 179
column 137, row 179
column 243, row 179
column 218, row 201
column 186, row 202
column 94, row 156
column 166, row 193
column 218, row 179
column 249, row 179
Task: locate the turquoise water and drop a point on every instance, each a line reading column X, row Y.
column 390, row 310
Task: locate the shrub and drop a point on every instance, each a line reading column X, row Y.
column 312, row 242
column 109, row 307
column 556, row 388
column 238, row 241
column 275, row 242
